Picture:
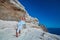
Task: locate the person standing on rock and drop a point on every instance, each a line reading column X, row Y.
column 20, row 25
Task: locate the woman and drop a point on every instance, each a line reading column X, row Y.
column 20, row 25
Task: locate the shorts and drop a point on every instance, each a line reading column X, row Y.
column 19, row 28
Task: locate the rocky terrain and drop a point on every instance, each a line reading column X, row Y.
column 10, row 11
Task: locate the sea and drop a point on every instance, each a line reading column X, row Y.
column 54, row 30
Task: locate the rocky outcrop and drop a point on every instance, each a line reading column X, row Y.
column 11, row 10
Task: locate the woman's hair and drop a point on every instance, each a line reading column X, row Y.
column 22, row 18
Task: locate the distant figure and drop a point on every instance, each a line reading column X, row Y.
column 20, row 26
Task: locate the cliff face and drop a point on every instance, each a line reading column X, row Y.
column 11, row 10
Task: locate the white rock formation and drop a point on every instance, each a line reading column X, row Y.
column 8, row 30
column 17, row 4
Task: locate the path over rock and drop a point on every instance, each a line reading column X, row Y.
column 8, row 30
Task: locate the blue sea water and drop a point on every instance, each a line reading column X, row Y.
column 54, row 30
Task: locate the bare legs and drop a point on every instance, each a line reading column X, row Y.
column 17, row 33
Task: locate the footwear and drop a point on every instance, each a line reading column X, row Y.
column 16, row 34
column 19, row 31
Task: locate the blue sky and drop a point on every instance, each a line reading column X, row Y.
column 47, row 11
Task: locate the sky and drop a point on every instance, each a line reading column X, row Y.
column 47, row 11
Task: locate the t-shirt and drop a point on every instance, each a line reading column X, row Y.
column 21, row 23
